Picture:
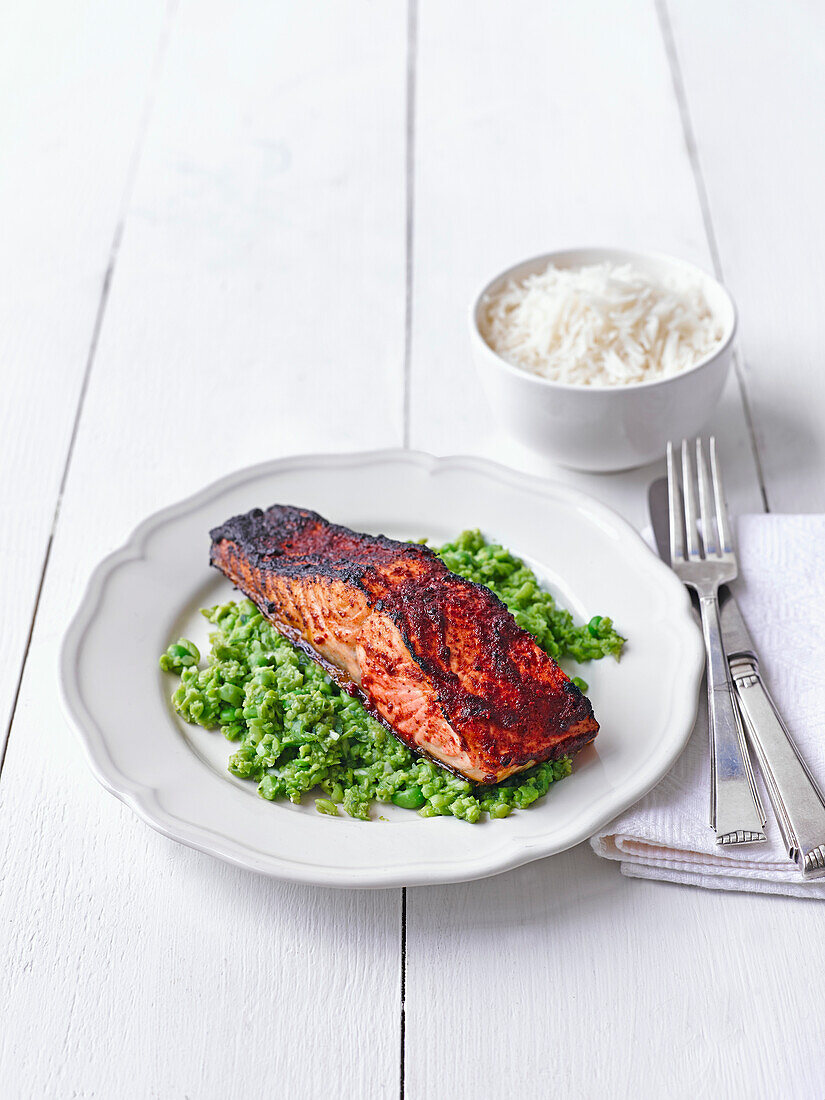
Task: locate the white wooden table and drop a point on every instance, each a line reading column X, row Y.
column 235, row 231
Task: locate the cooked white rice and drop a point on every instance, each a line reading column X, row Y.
column 603, row 325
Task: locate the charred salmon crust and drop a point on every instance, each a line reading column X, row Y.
column 438, row 659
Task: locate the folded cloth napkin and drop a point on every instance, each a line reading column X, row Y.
column 781, row 593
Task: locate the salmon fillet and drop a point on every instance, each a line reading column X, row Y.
column 436, row 658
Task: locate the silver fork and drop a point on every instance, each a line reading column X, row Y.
column 736, row 811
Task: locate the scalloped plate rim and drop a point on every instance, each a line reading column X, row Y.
column 143, row 799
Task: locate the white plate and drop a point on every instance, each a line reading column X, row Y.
column 174, row 776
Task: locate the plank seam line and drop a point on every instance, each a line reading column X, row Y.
column 117, row 237
column 4, row 747
column 692, row 147
column 412, row 49
column 402, row 1082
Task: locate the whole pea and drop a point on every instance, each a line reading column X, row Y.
column 409, row 799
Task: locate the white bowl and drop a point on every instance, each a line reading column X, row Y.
column 610, row 427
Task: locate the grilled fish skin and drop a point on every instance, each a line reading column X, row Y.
column 438, row 659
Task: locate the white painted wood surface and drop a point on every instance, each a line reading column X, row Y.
column 272, row 174
column 252, row 174
column 74, row 84
column 574, row 142
column 754, row 89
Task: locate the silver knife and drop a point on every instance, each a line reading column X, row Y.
column 797, row 800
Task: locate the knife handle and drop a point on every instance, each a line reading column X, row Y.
column 737, row 816
column 796, row 799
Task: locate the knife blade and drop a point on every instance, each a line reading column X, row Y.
column 796, row 799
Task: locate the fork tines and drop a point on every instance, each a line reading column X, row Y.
column 706, row 535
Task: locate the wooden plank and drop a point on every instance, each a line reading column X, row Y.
column 538, row 127
column 67, row 149
column 534, row 132
column 754, row 91
column 563, row 978
column 257, row 308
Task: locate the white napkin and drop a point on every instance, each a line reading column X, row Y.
column 781, row 593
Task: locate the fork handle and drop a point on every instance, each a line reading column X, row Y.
column 797, row 800
column 736, row 811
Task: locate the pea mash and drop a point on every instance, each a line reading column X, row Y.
column 298, row 732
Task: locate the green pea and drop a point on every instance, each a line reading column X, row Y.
column 409, row 799
column 268, row 788
column 232, row 694
column 181, row 654
column 326, row 806
column 582, row 685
